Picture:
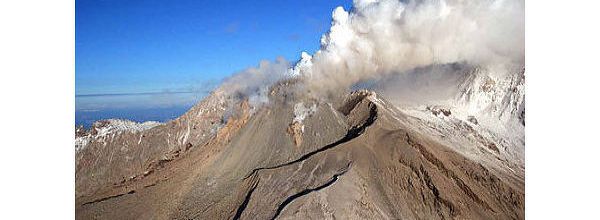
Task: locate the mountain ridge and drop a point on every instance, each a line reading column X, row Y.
column 239, row 169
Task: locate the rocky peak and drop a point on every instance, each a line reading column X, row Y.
column 485, row 93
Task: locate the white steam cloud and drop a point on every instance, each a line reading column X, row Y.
column 380, row 37
column 253, row 83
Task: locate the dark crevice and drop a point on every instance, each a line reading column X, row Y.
column 242, row 207
column 351, row 134
column 107, row 198
column 290, row 199
column 438, row 200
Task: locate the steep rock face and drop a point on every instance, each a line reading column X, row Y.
column 496, row 95
column 361, row 159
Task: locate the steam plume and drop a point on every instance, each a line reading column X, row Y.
column 253, row 83
column 378, row 37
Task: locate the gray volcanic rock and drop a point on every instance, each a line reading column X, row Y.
column 113, row 152
column 360, row 159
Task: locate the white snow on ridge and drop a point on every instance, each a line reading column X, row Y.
column 110, row 126
column 475, row 141
column 483, row 121
column 105, row 128
column 487, row 94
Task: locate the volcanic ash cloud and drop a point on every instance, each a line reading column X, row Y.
column 388, row 36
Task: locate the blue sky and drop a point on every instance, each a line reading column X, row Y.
column 146, row 46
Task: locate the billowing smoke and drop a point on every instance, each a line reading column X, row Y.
column 379, row 37
column 407, row 47
column 253, row 83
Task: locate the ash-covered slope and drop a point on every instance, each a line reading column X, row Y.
column 477, row 111
column 277, row 141
column 295, row 157
column 114, row 152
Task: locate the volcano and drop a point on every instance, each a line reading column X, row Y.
column 358, row 156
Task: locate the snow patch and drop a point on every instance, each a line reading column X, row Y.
column 103, row 129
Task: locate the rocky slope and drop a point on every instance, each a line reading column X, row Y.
column 302, row 158
column 484, row 119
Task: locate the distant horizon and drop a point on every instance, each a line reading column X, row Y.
column 133, row 93
column 151, row 60
column 86, row 118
